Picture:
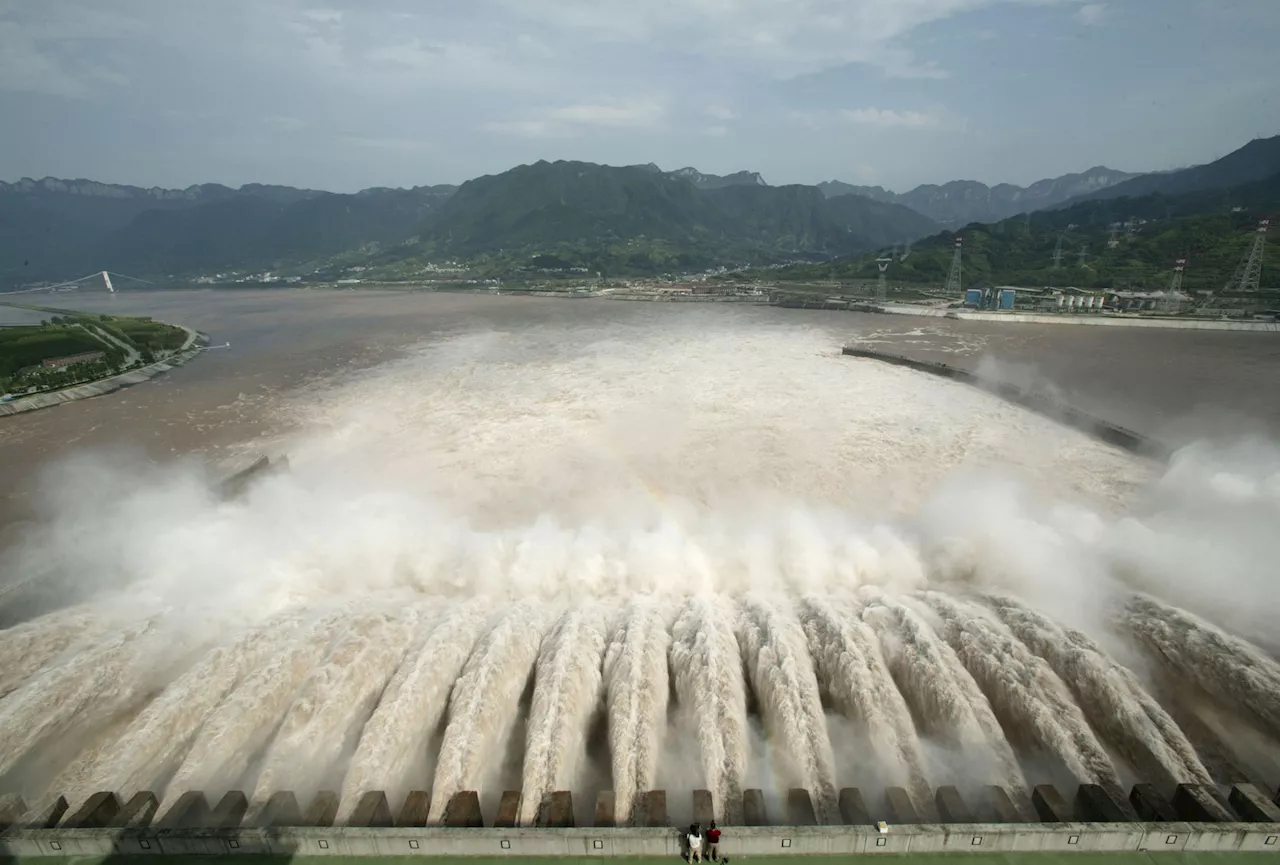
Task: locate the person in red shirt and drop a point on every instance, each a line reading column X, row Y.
column 713, row 842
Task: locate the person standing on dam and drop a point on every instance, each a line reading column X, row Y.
column 713, row 842
column 695, row 844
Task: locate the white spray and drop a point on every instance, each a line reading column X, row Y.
column 637, row 680
column 482, row 710
column 708, row 675
column 393, row 746
column 566, row 693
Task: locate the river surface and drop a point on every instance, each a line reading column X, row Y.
column 222, row 407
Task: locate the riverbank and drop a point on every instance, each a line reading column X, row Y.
column 1102, row 320
column 195, row 344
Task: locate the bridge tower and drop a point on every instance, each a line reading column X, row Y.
column 106, row 278
column 953, row 285
column 883, row 264
column 1170, row 302
column 1248, row 276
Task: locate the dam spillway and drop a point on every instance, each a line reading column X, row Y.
column 779, row 624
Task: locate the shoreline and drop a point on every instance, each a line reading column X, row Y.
column 196, row 343
column 1086, row 320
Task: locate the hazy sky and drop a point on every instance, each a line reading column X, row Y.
column 344, row 94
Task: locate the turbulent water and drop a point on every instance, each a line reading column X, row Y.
column 633, row 559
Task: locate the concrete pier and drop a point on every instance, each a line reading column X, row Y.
column 508, row 810
column 1000, row 807
column 281, row 810
column 138, row 812
column 753, row 812
column 556, row 810
column 800, row 808
column 606, row 816
column 323, row 809
column 654, row 809
column 1095, row 805
column 414, row 810
column 853, row 808
column 463, row 811
column 191, row 811
column 1049, row 804
column 1196, row 802
column 97, row 812
column 230, row 810
column 1150, row 805
column 951, row 806
column 704, row 811
column 1250, row 803
column 902, row 811
column 372, row 811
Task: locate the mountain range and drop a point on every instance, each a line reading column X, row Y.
column 963, row 201
column 559, row 215
column 1128, row 242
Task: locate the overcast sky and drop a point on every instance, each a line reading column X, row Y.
column 344, row 94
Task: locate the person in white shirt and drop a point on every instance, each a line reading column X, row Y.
column 695, row 847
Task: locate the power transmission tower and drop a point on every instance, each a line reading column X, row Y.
column 1057, row 252
column 1248, row 276
column 883, row 264
column 1113, row 241
column 953, row 285
column 1171, row 297
column 905, row 253
column 1084, row 255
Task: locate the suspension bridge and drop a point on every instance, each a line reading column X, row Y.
column 102, row 276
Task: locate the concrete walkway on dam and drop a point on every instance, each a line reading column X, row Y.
column 891, row 859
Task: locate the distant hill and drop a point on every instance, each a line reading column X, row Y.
column 1257, row 160
column 633, row 219
column 713, row 181
column 1127, row 243
column 56, row 229
column 963, row 201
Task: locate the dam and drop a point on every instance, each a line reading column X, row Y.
column 562, row 591
column 1197, row 819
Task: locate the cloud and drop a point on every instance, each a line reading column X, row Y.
column 886, row 118
column 44, row 52
column 644, row 114
column 715, row 131
column 569, row 120
column 776, row 38
column 721, row 112
column 395, row 145
column 323, row 16
column 527, row 128
column 877, row 118
column 1091, row 14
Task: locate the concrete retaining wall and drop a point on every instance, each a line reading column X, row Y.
column 99, row 387
column 104, row 825
column 1036, row 402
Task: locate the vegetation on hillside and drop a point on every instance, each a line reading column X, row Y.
column 1127, row 243
column 632, row 220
